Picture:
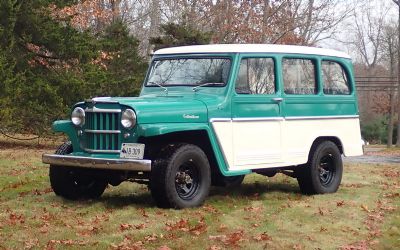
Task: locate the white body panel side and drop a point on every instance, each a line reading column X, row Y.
column 256, row 143
column 223, row 131
column 266, row 144
column 300, row 134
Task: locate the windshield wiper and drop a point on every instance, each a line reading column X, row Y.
column 159, row 85
column 206, row 84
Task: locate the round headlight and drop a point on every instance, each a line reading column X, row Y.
column 78, row 116
column 128, row 119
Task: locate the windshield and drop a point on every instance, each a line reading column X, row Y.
column 189, row 72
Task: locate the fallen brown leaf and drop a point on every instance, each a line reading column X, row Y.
column 253, row 209
column 214, row 247
column 262, row 237
column 182, row 225
column 31, row 243
column 125, row 226
column 150, row 238
column 365, row 208
column 234, row 238
column 143, row 212
column 222, row 228
column 340, row 203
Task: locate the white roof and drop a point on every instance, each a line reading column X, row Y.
column 250, row 48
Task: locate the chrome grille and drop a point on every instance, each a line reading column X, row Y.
column 102, row 130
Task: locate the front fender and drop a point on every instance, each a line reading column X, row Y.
column 66, row 126
column 147, row 130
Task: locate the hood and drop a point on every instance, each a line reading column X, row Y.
column 165, row 109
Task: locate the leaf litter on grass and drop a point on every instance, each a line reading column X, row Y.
column 262, row 213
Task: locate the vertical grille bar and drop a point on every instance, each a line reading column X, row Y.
column 107, row 122
column 94, row 127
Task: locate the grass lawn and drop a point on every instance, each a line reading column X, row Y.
column 262, row 213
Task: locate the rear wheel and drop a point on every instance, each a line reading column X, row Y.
column 75, row 183
column 180, row 177
column 323, row 172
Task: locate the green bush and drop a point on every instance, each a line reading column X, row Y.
column 46, row 65
column 376, row 130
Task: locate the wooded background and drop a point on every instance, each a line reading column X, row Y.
column 55, row 53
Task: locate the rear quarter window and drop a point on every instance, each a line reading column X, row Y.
column 335, row 80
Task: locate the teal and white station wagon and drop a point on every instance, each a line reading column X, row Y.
column 209, row 115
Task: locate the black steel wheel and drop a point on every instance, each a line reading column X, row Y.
column 180, row 177
column 75, row 183
column 326, row 170
column 187, row 180
column 323, row 172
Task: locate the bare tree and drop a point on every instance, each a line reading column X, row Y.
column 389, row 47
column 319, row 20
column 398, row 76
column 266, row 21
column 368, row 31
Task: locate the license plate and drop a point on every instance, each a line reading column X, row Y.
column 132, row 150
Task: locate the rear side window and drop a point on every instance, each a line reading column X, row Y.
column 335, row 79
column 299, row 76
column 256, row 76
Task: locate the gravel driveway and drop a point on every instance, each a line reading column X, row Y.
column 366, row 158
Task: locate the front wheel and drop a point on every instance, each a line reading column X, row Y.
column 180, row 177
column 323, row 172
column 75, row 183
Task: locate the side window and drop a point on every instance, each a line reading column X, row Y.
column 335, row 79
column 256, row 76
column 299, row 76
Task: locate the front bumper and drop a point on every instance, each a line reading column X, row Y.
column 97, row 163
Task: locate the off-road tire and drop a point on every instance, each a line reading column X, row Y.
column 75, row 183
column 180, row 177
column 323, row 171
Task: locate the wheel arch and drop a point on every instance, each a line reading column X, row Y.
column 199, row 137
column 320, row 139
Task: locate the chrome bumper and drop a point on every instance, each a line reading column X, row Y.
column 102, row 163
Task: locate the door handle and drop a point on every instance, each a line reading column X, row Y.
column 277, row 99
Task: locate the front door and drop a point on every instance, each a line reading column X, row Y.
column 256, row 115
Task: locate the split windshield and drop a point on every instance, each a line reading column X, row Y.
column 189, row 72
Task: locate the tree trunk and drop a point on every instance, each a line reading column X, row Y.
column 398, row 81
column 115, row 8
column 392, row 103
column 155, row 22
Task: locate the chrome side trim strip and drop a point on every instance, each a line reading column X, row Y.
column 103, row 131
column 97, row 110
column 289, row 118
column 256, row 119
column 101, row 150
column 321, row 117
column 220, row 120
column 97, row 163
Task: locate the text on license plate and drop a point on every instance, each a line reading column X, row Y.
column 132, row 150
